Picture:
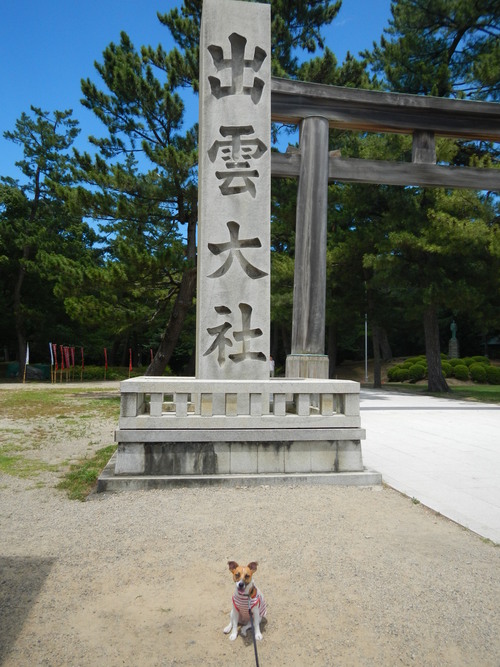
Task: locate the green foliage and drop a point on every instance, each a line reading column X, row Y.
column 461, row 372
column 478, row 373
column 40, row 227
column 476, row 368
column 479, row 359
column 416, row 372
column 441, row 47
column 296, row 28
column 447, row 369
column 18, row 465
column 493, row 374
column 82, row 477
column 398, row 373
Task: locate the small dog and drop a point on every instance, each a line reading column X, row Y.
column 246, row 599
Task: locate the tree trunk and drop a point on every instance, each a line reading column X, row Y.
column 436, row 380
column 377, row 370
column 18, row 316
column 175, row 323
column 385, row 347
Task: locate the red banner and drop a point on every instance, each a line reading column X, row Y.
column 130, row 358
column 105, row 359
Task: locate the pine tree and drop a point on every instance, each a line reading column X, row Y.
column 37, row 226
column 442, row 47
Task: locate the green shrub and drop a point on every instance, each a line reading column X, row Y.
column 481, row 360
column 393, row 373
column 417, row 360
column 461, row 372
column 416, row 372
column 493, row 374
column 478, row 373
column 401, row 374
column 447, row 368
column 397, row 373
column 456, row 362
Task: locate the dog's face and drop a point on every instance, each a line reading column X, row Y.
column 242, row 576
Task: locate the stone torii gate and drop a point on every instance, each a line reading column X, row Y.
column 317, row 108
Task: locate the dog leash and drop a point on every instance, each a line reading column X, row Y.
column 253, row 633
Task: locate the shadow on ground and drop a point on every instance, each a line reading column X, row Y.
column 21, row 580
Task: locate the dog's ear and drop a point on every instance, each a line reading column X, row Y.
column 232, row 565
column 252, row 566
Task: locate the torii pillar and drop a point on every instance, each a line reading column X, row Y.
column 307, row 358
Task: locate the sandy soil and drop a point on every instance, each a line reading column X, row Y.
column 351, row 576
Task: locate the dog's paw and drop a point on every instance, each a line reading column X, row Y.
column 233, row 636
column 228, row 629
column 258, row 636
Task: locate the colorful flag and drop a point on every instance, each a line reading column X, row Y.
column 51, row 355
column 130, row 358
column 27, row 353
column 105, row 359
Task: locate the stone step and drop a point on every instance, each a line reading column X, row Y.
column 109, row 482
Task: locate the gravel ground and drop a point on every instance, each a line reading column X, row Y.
column 351, row 576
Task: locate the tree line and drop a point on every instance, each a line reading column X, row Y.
column 98, row 249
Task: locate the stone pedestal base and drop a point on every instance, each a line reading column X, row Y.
column 243, row 457
column 185, row 430
column 453, row 349
column 307, row 366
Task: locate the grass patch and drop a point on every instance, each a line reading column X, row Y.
column 64, row 404
column 479, row 392
column 19, row 466
column 82, row 477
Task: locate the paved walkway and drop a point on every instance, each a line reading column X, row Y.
column 443, row 452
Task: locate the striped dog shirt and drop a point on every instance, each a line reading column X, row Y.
column 240, row 602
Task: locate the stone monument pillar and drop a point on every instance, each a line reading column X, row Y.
column 233, row 298
column 232, row 422
column 453, row 348
column 308, row 358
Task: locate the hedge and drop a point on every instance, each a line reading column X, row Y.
column 477, row 368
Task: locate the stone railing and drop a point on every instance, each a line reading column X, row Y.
column 188, row 403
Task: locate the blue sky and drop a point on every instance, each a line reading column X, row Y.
column 48, row 46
